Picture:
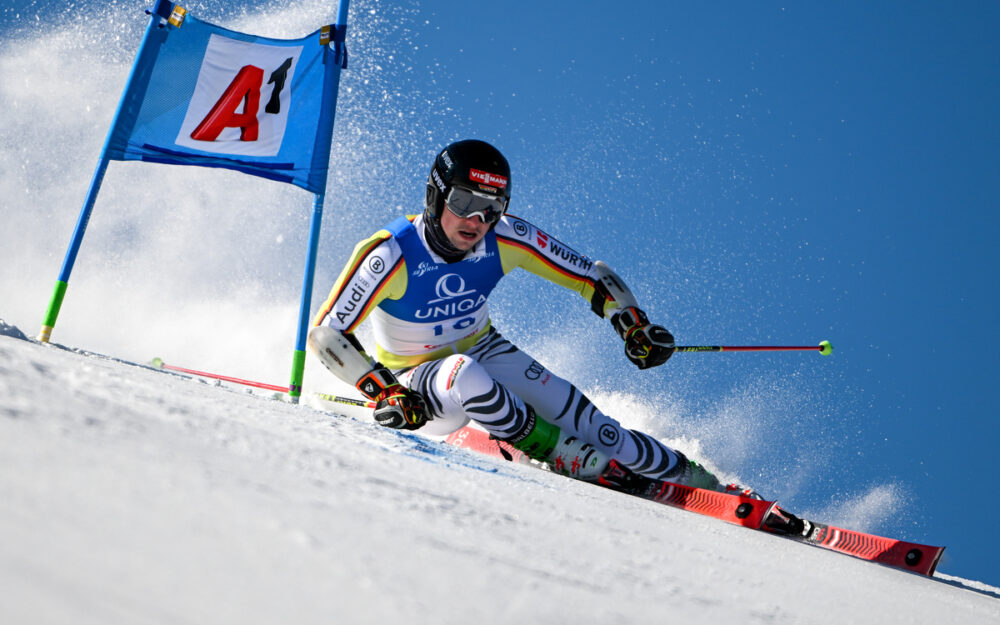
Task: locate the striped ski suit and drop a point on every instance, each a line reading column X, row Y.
column 432, row 328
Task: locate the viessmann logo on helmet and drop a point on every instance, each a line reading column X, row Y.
column 485, row 177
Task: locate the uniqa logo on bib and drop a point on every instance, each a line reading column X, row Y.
column 453, row 298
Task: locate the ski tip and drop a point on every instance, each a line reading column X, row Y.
column 825, row 348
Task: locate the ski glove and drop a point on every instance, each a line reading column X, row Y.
column 395, row 405
column 646, row 345
column 400, row 408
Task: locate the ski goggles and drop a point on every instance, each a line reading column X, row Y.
column 466, row 203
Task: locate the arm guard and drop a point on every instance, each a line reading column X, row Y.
column 609, row 287
column 344, row 357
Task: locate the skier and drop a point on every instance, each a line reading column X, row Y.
column 424, row 280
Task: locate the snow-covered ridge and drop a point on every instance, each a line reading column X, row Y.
column 130, row 495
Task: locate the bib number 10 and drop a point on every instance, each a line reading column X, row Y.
column 461, row 324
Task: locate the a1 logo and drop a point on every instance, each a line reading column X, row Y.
column 241, row 101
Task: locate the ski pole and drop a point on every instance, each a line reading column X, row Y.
column 823, row 348
column 159, row 364
column 346, row 400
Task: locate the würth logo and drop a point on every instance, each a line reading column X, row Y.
column 485, row 177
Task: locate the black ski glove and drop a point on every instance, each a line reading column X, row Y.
column 395, row 405
column 646, row 345
column 400, row 408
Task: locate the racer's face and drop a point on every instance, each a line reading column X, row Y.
column 463, row 233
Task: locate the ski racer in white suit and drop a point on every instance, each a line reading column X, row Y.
column 425, row 280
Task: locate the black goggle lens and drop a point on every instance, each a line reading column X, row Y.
column 466, row 203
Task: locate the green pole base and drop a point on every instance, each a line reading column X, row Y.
column 298, row 371
column 52, row 313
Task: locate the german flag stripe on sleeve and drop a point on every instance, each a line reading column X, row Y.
column 580, row 279
column 376, row 296
column 349, row 275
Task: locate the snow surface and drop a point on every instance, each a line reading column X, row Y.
column 131, row 495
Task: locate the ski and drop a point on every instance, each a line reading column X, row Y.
column 731, row 508
column 736, row 509
column 741, row 510
column 480, row 441
column 745, row 511
column 908, row 556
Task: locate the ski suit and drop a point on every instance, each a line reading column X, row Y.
column 432, row 329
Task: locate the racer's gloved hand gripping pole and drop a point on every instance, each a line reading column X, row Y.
column 395, row 405
column 646, row 345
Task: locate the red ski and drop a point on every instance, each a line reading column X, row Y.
column 735, row 509
column 480, row 441
column 740, row 510
column 913, row 557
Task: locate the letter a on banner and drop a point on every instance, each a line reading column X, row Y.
column 226, row 112
column 245, row 90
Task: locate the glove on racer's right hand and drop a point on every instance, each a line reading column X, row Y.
column 646, row 345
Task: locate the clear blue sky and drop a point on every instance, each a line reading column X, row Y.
column 760, row 173
column 766, row 173
column 784, row 174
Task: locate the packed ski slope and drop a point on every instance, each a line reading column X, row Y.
column 131, row 495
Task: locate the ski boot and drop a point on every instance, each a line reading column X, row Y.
column 743, row 491
column 686, row 472
column 691, row 473
column 562, row 453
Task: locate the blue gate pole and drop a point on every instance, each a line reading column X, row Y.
column 141, row 61
column 330, row 100
column 299, row 356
